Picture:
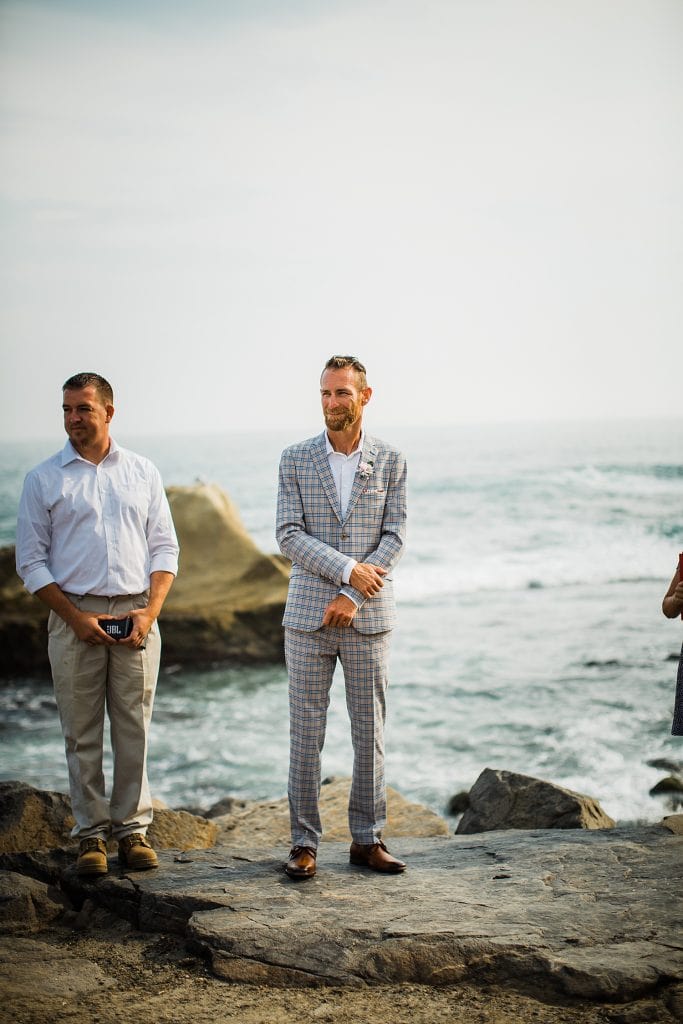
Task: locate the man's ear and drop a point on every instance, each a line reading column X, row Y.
column 110, row 412
column 366, row 395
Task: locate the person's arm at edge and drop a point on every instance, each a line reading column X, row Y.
column 672, row 605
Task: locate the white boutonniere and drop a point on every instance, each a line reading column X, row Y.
column 365, row 469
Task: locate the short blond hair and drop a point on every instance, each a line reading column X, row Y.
column 342, row 362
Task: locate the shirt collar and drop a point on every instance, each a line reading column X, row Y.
column 330, row 450
column 69, row 453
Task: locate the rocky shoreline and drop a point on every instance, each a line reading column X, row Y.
column 539, row 908
column 554, row 924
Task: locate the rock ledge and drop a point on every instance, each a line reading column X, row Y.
column 590, row 914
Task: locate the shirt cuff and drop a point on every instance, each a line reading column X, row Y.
column 352, row 595
column 348, row 569
column 164, row 563
column 36, row 579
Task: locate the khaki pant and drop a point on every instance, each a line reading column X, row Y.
column 86, row 680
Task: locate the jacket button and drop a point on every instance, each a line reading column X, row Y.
column 344, row 536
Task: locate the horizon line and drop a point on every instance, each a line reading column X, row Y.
column 310, row 431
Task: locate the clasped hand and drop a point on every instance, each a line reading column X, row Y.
column 340, row 611
column 87, row 628
column 367, row 578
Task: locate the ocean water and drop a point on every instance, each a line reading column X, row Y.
column 530, row 632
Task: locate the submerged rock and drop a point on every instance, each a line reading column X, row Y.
column 501, row 800
column 667, row 765
column 670, row 784
column 671, row 788
column 458, row 803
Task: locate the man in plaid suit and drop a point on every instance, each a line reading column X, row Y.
column 341, row 516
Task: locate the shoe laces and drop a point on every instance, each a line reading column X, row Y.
column 135, row 839
column 91, row 843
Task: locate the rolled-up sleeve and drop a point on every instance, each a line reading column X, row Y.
column 162, row 541
column 34, row 533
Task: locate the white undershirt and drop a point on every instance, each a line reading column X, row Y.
column 343, row 468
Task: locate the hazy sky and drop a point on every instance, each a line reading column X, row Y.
column 204, row 200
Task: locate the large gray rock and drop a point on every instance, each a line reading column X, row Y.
column 26, row 904
column 228, row 600
column 178, row 830
column 46, row 865
column 500, row 799
column 589, row 914
column 33, row 819
column 674, row 823
column 23, row 624
column 226, row 604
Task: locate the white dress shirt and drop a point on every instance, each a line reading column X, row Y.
column 94, row 529
column 343, row 468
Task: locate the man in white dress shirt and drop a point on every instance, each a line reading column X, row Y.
column 96, row 543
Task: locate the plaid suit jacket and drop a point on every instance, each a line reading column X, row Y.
column 312, row 533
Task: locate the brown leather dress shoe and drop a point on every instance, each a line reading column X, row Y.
column 301, row 863
column 375, row 856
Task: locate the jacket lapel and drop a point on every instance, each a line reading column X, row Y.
column 322, row 465
column 369, row 456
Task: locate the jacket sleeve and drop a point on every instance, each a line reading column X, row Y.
column 294, row 542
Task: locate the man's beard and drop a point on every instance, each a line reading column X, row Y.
column 343, row 418
column 79, row 438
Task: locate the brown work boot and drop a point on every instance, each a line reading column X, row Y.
column 135, row 852
column 92, row 857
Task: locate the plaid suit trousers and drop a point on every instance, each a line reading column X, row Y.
column 311, row 661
